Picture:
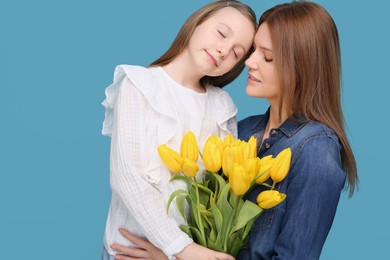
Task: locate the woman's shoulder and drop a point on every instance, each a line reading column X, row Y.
column 314, row 129
column 250, row 121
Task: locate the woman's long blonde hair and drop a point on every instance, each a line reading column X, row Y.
column 307, row 57
column 184, row 35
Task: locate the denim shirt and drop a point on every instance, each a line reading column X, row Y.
column 296, row 228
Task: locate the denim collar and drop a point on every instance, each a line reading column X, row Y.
column 289, row 126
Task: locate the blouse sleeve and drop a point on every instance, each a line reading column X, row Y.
column 128, row 162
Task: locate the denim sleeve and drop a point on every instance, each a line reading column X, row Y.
column 315, row 182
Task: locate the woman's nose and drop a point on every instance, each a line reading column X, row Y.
column 251, row 62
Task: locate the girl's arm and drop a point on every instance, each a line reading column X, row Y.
column 127, row 163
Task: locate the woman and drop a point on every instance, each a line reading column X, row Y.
column 296, row 66
column 147, row 107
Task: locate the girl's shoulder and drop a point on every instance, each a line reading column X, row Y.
column 137, row 74
column 222, row 100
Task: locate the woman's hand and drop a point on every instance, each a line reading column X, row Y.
column 145, row 250
column 148, row 251
column 198, row 252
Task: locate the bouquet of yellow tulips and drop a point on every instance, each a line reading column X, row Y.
column 220, row 217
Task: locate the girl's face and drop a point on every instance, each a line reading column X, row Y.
column 220, row 42
column 263, row 79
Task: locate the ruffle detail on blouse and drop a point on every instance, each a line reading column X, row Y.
column 226, row 111
column 144, row 80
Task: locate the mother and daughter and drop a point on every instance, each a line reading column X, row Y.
column 293, row 60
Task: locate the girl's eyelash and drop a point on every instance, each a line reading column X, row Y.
column 223, row 35
column 267, row 60
column 235, row 54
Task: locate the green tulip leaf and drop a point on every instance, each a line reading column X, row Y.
column 218, row 218
column 243, row 233
column 235, row 244
column 182, row 178
column 248, row 211
column 187, row 230
column 198, row 236
column 174, row 194
column 180, row 204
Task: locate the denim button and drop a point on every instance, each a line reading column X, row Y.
column 273, row 132
column 267, row 145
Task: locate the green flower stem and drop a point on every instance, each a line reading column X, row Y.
column 230, row 223
column 201, row 228
column 267, row 185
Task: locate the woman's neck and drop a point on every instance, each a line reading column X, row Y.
column 275, row 120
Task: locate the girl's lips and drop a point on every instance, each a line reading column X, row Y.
column 212, row 58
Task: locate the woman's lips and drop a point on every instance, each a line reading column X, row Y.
column 250, row 77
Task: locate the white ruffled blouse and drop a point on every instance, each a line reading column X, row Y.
column 145, row 107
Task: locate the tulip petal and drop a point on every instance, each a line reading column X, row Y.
column 170, row 158
column 281, row 165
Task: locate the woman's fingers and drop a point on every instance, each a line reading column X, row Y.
column 133, row 253
column 125, row 257
column 222, row 256
column 144, row 249
column 134, row 239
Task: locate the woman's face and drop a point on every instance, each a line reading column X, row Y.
column 263, row 79
column 220, row 42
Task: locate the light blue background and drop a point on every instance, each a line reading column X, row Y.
column 56, row 58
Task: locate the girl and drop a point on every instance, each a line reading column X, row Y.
column 146, row 107
column 296, row 66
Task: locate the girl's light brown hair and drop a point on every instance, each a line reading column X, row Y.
column 307, row 57
column 184, row 35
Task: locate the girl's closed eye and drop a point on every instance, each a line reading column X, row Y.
column 222, row 34
column 235, row 54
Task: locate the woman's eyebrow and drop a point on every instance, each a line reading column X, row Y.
column 265, row 48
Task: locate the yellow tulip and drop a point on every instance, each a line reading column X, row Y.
column 232, row 153
column 264, row 176
column 265, row 165
column 239, row 180
column 245, row 150
column 189, row 168
column 281, row 165
column 270, row 198
column 189, row 148
column 171, row 159
column 212, row 154
column 228, row 140
column 252, row 166
column 252, row 147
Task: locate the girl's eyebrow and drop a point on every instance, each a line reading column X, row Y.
column 232, row 32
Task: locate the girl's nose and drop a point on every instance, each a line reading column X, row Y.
column 222, row 52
